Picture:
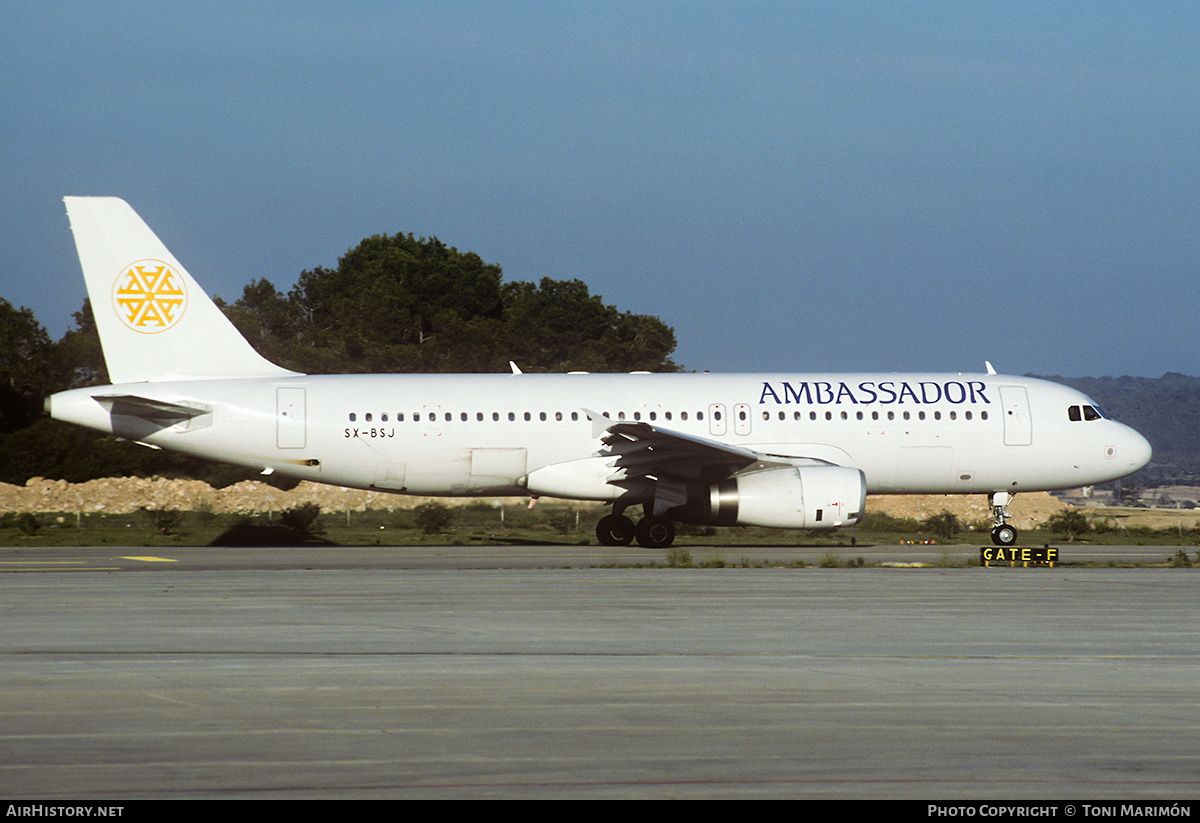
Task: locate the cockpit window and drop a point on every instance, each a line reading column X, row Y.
column 1077, row 413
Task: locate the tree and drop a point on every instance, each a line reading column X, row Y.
column 404, row 304
column 266, row 319
column 560, row 326
column 398, row 304
column 26, row 367
column 79, row 353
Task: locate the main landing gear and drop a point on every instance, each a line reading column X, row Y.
column 1002, row 533
column 651, row 532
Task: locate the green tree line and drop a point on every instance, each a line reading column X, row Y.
column 394, row 304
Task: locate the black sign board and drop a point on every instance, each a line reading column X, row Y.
column 1014, row 556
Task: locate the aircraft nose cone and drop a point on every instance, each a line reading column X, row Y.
column 1137, row 451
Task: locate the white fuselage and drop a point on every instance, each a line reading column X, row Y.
column 531, row 434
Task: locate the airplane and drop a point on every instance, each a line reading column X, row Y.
column 788, row 450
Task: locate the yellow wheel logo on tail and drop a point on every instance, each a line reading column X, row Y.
column 150, row 296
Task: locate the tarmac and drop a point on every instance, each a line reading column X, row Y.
column 469, row 672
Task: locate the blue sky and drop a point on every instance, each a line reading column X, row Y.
column 795, row 187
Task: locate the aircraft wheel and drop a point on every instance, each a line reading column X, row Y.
column 655, row 532
column 1004, row 535
column 615, row 530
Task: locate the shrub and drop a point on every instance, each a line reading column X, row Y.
column 882, row 522
column 944, row 525
column 302, row 519
column 433, row 517
column 28, row 523
column 561, row 520
column 165, row 520
column 1069, row 523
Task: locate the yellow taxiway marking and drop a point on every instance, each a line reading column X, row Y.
column 74, row 565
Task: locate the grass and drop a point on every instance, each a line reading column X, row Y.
column 482, row 524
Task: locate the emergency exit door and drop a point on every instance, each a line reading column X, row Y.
column 289, row 417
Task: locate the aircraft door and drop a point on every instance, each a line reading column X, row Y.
column 1018, row 427
column 741, row 418
column 289, row 417
column 431, row 417
column 717, row 424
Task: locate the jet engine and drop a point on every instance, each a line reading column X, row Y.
column 799, row 497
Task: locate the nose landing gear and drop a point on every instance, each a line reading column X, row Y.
column 1002, row 533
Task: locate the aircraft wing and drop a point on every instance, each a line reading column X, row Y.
column 642, row 449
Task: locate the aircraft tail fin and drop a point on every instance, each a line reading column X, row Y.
column 155, row 322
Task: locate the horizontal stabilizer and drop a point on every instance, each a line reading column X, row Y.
column 160, row 411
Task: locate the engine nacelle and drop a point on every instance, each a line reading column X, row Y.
column 803, row 497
